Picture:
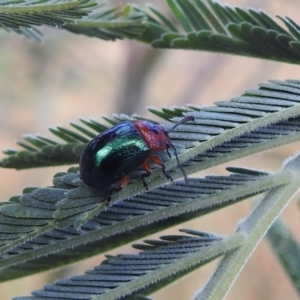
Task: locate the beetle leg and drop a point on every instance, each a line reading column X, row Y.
column 116, row 188
column 147, row 169
column 168, row 151
column 158, row 161
column 179, row 165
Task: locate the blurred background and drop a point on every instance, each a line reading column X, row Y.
column 72, row 76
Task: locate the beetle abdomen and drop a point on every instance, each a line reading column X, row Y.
column 124, row 156
column 113, row 154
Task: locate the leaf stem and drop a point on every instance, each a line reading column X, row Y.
column 254, row 227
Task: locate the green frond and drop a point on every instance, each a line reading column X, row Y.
column 166, row 261
column 53, row 226
column 22, row 16
column 110, row 24
column 253, row 228
column 169, row 113
column 197, row 25
column 78, row 16
column 141, row 273
column 42, row 152
column 27, row 231
column 287, row 249
column 48, row 222
column 270, row 104
column 211, row 26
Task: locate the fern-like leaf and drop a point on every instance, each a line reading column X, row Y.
column 271, row 103
column 23, row 16
column 42, row 152
column 211, row 26
column 123, row 276
column 168, row 261
column 78, row 16
column 256, row 121
column 198, row 25
column 29, row 217
column 287, row 249
column 110, row 24
column 253, row 228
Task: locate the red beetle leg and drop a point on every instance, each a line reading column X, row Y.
column 146, row 173
column 158, row 161
column 119, row 187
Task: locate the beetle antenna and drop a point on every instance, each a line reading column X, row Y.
column 179, row 165
column 183, row 120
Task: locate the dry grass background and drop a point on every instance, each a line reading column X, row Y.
column 72, row 76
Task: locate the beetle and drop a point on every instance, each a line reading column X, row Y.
column 110, row 157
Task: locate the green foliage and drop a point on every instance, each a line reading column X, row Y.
column 287, row 250
column 130, row 272
column 196, row 25
column 83, row 16
column 22, row 16
column 53, row 226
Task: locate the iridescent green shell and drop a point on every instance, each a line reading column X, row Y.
column 112, row 154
